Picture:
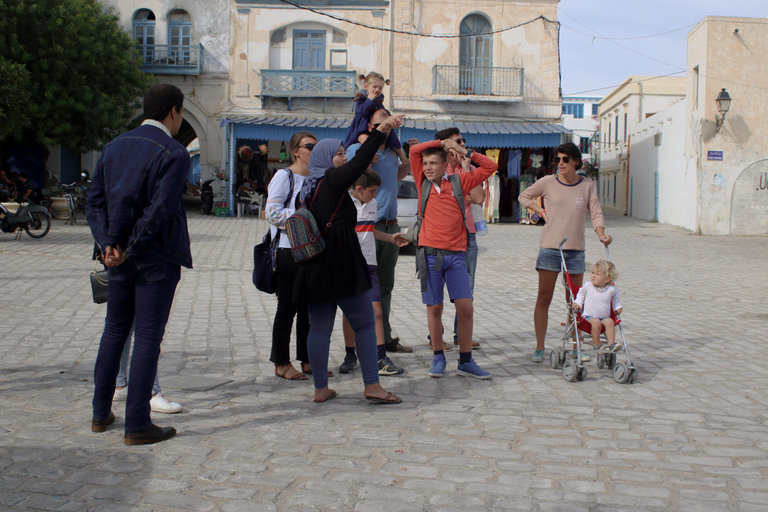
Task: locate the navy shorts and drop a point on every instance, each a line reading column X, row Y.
column 375, row 293
column 452, row 274
column 549, row 259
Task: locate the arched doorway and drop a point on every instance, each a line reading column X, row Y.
column 475, row 55
column 749, row 201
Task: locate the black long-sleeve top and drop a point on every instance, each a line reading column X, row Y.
column 341, row 270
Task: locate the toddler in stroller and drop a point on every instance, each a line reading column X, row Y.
column 597, row 299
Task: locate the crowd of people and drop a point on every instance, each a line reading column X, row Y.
column 350, row 188
column 16, row 187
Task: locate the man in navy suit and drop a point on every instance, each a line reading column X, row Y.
column 137, row 218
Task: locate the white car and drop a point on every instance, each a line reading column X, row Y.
column 407, row 207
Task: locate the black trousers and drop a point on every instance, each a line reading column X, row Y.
column 286, row 310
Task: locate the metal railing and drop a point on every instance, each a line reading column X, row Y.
column 169, row 59
column 306, row 83
column 477, row 81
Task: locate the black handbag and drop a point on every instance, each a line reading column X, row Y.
column 99, row 285
column 265, row 255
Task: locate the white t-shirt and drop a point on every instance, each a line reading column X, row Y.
column 598, row 304
column 278, row 190
column 366, row 218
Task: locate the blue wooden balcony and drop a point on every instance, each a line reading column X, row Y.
column 306, row 83
column 459, row 83
column 166, row 59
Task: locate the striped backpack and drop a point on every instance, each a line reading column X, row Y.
column 304, row 233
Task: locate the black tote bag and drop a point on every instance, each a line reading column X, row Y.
column 265, row 254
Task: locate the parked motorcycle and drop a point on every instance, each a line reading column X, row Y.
column 206, row 197
column 34, row 219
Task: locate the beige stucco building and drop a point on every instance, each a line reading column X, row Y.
column 256, row 71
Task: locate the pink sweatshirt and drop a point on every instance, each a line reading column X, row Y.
column 566, row 207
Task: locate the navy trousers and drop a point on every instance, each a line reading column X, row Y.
column 140, row 290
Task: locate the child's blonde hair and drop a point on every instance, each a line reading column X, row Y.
column 607, row 268
column 370, row 76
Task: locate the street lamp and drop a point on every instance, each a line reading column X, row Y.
column 723, row 101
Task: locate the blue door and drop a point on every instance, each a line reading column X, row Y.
column 308, row 54
column 656, row 196
column 475, row 55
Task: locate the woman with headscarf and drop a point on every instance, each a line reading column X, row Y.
column 339, row 276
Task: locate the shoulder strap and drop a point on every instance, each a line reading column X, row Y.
column 458, row 194
column 312, row 205
column 426, row 188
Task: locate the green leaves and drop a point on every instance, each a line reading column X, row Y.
column 74, row 77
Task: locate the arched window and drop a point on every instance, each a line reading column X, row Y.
column 144, row 33
column 179, row 36
column 475, row 55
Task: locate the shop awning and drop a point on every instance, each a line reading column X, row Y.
column 478, row 135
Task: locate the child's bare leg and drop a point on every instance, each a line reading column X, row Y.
column 435, row 325
column 465, row 310
column 596, row 328
column 379, row 323
column 610, row 330
column 349, row 333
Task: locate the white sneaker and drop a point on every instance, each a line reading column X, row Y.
column 120, row 394
column 161, row 404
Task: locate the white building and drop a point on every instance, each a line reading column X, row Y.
column 581, row 116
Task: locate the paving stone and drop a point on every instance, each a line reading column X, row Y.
column 526, row 440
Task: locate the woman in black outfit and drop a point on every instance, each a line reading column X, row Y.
column 339, row 276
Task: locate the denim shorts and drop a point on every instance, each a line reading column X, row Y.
column 549, row 259
column 453, row 275
column 375, row 293
column 588, row 318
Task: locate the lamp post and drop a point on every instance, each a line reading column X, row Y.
column 723, row 101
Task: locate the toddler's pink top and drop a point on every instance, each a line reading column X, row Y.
column 567, row 206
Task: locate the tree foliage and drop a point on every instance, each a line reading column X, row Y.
column 14, row 98
column 84, row 80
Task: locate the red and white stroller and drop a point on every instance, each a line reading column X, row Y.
column 573, row 367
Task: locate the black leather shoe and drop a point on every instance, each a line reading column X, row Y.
column 101, row 425
column 153, row 434
column 394, row 345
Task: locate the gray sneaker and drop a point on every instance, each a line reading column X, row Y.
column 387, row 367
column 538, row 356
column 349, row 364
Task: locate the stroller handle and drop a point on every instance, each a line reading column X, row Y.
column 607, row 254
column 565, row 239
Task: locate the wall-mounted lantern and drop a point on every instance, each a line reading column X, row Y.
column 723, row 101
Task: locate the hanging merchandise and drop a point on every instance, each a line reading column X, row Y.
column 493, row 154
column 536, row 160
column 513, row 166
column 283, row 153
column 494, row 194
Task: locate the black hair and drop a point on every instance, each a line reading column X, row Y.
column 368, row 179
column 447, row 133
column 376, row 110
column 435, row 151
column 24, row 175
column 160, row 99
column 570, row 149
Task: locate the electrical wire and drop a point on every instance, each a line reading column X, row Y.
column 418, row 34
column 626, row 38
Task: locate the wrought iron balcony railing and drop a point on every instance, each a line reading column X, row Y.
column 306, row 83
column 477, row 81
column 166, row 59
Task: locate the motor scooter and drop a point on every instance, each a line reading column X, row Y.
column 34, row 219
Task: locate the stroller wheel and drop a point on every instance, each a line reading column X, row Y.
column 581, row 373
column 569, row 371
column 601, row 361
column 555, row 359
column 633, row 376
column 621, row 373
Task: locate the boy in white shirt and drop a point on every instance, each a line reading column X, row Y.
column 364, row 196
column 597, row 299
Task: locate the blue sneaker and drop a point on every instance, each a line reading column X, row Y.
column 438, row 366
column 538, row 356
column 471, row 369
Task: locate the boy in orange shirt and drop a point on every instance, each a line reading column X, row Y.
column 442, row 249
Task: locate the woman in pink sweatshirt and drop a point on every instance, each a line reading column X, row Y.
column 567, row 198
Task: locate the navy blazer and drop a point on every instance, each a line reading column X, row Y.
column 135, row 200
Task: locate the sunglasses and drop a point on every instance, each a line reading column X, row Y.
column 309, row 145
column 461, row 140
column 565, row 159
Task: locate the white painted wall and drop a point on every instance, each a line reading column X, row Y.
column 677, row 183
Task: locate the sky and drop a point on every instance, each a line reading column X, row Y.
column 591, row 57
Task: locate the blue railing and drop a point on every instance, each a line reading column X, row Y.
column 166, row 59
column 477, row 81
column 306, row 83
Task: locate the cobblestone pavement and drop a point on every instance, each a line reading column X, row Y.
column 690, row 434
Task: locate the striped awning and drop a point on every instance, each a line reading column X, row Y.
column 478, row 134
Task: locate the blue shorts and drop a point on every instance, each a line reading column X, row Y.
column 588, row 318
column 549, row 259
column 375, row 293
column 453, row 273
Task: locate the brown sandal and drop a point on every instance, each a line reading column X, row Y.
column 307, row 369
column 391, row 398
column 282, row 371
